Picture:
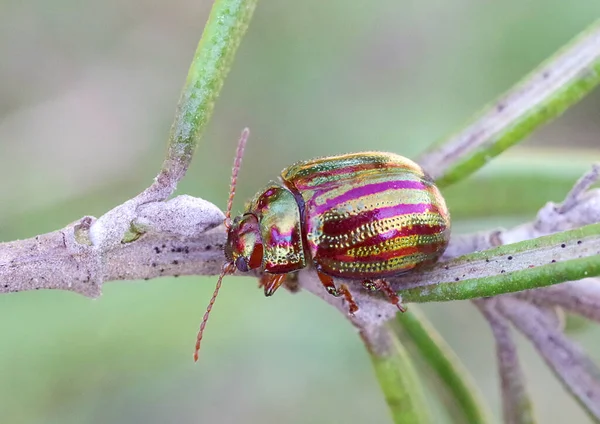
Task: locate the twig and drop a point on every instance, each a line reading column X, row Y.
column 77, row 257
column 570, row 364
column 181, row 243
column 222, row 35
column 556, row 85
column 454, row 377
column 397, row 376
column 579, row 297
column 530, row 252
column 517, row 407
column 144, row 237
column 499, row 270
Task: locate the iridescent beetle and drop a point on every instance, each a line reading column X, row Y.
column 361, row 216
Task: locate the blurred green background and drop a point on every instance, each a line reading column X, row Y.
column 87, row 93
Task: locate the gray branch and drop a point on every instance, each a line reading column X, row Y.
column 182, row 236
column 143, row 239
column 568, row 361
column 517, row 407
column 580, row 297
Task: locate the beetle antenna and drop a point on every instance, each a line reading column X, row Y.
column 227, row 269
column 237, row 164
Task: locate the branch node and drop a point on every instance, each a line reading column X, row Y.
column 581, row 186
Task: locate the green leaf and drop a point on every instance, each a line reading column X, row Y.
column 397, row 377
column 222, row 35
column 566, row 256
column 433, row 350
column 540, row 176
column 542, row 96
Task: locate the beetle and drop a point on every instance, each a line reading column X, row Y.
column 362, row 216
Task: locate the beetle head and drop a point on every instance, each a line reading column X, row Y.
column 244, row 246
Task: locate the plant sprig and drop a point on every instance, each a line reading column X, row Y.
column 559, row 83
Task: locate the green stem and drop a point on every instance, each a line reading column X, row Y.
column 439, row 356
column 551, row 89
column 567, row 256
column 397, row 377
column 540, row 176
column 222, row 35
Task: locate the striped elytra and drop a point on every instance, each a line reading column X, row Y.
column 363, row 216
column 369, row 215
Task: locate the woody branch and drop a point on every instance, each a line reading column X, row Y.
column 184, row 236
column 147, row 236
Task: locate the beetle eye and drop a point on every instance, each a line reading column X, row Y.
column 241, row 264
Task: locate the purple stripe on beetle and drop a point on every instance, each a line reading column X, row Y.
column 367, row 190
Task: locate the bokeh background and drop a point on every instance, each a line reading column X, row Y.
column 87, row 93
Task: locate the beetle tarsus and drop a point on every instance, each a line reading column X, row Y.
column 329, row 285
column 352, row 306
column 369, row 285
column 333, row 291
column 384, row 287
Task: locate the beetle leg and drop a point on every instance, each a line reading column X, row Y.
column 264, row 279
column 329, row 285
column 369, row 285
column 352, row 306
column 291, row 283
column 384, row 287
column 271, row 282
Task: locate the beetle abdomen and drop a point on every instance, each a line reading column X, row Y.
column 370, row 215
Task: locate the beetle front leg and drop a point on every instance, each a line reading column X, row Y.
column 384, row 287
column 271, row 282
column 290, row 282
column 329, row 285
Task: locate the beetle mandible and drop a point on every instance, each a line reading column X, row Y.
column 362, row 216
